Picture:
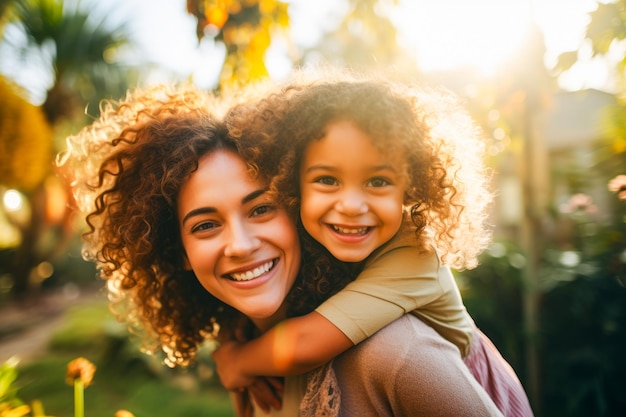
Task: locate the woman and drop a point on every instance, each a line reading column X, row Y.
column 192, row 245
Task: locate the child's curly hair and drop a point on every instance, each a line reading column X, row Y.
column 125, row 171
column 448, row 194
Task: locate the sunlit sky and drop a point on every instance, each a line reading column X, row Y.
column 443, row 34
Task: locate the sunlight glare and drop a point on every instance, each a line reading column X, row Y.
column 13, row 200
column 484, row 34
column 449, row 34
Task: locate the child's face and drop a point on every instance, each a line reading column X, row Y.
column 352, row 193
column 242, row 247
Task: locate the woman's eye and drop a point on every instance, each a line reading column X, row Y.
column 263, row 209
column 326, row 180
column 378, row 182
column 204, row 227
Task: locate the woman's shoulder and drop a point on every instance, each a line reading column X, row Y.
column 408, row 366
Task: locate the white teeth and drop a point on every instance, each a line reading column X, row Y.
column 351, row 231
column 255, row 273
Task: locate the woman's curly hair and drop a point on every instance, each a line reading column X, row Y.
column 448, row 195
column 125, row 171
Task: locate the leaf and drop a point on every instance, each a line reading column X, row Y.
column 606, row 25
column 566, row 60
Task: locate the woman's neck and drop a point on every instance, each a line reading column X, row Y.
column 266, row 323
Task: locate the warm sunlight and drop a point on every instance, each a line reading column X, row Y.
column 485, row 33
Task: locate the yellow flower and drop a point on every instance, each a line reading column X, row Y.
column 80, row 368
column 124, row 413
column 18, row 411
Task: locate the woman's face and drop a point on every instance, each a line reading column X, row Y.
column 242, row 248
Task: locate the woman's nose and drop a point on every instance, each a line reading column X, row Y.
column 352, row 203
column 241, row 242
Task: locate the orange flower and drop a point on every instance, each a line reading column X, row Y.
column 80, row 368
column 124, row 413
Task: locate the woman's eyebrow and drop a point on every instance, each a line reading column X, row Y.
column 199, row 211
column 252, row 196
column 208, row 210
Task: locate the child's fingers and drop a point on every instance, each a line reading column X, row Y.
column 277, row 384
column 265, row 395
column 242, row 403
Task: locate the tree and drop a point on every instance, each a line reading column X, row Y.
column 83, row 47
column 25, row 161
column 245, row 27
column 606, row 30
column 79, row 48
column 25, row 140
column 365, row 39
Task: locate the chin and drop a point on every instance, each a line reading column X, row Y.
column 349, row 258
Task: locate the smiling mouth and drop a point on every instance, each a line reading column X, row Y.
column 253, row 273
column 350, row 231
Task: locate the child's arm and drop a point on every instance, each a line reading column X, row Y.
column 292, row 347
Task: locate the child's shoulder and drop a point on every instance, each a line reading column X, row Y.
column 404, row 245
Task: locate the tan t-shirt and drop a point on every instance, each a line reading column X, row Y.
column 399, row 279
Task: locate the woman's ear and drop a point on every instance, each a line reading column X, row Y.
column 186, row 264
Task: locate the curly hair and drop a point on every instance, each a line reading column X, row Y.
column 448, row 195
column 126, row 170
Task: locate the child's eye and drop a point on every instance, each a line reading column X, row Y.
column 378, row 182
column 326, row 180
column 263, row 209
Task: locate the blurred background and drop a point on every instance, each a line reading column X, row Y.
column 546, row 80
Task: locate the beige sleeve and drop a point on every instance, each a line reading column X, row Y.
column 396, row 282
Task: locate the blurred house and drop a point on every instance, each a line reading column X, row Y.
column 565, row 140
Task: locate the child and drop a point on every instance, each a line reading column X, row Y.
column 389, row 179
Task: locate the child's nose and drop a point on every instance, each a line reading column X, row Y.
column 352, row 203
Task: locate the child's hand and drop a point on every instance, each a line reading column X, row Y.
column 225, row 358
column 242, row 403
column 267, row 392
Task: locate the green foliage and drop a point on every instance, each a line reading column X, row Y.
column 583, row 344
column 124, row 379
column 584, row 323
column 492, row 294
column 8, row 390
column 607, row 25
column 84, row 328
column 582, row 334
column 83, row 63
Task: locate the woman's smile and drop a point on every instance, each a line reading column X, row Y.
column 253, row 273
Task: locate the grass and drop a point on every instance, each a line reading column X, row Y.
column 124, row 379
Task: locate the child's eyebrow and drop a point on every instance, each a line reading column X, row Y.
column 377, row 168
column 320, row 167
